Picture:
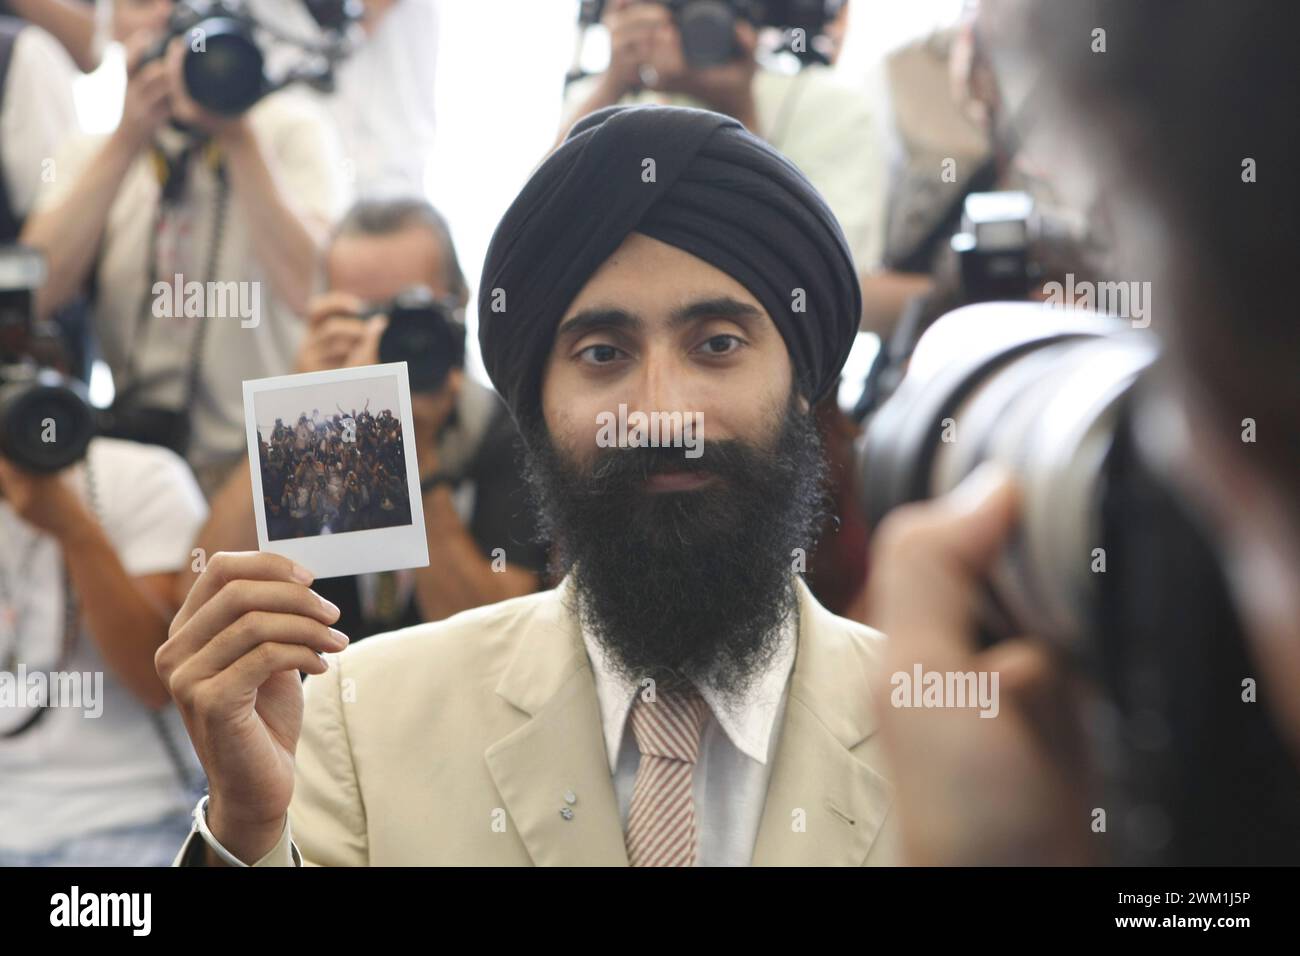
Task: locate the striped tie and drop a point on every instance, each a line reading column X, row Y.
column 661, row 821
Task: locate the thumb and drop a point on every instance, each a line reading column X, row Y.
column 980, row 512
column 929, row 563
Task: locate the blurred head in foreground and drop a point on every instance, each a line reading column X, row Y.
column 1183, row 112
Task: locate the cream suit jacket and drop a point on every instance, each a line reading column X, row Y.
column 458, row 742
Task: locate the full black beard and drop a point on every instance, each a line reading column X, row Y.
column 693, row 586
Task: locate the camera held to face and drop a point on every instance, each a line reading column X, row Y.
column 708, row 27
column 423, row 332
column 225, row 58
column 46, row 420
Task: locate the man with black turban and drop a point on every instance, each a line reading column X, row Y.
column 660, row 307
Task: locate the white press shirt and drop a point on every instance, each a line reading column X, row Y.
column 736, row 751
column 38, row 114
column 73, row 774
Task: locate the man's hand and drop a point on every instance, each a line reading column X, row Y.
column 429, row 413
column 147, row 104
column 43, row 501
column 1010, row 789
column 632, row 25
column 646, row 50
column 231, row 662
column 335, row 338
column 725, row 88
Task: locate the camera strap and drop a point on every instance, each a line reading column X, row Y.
column 172, row 178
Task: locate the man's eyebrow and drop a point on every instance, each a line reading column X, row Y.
column 609, row 317
column 589, row 320
column 717, row 307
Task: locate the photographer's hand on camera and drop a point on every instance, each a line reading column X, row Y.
column 43, row 501
column 231, row 662
column 646, row 53
column 1011, row 789
column 183, row 107
column 148, row 101
column 335, row 337
column 726, row 88
column 632, row 26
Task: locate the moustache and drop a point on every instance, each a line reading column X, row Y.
column 628, row 468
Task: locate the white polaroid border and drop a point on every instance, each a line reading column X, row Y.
column 347, row 552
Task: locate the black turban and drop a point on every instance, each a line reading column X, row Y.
column 719, row 193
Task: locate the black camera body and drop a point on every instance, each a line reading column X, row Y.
column 708, row 27
column 225, row 63
column 423, row 332
column 46, row 421
column 993, row 246
column 224, row 66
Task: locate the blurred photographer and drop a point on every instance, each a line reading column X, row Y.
column 1000, row 230
column 825, row 127
column 71, row 22
column 36, row 116
column 96, row 765
column 1164, row 116
column 397, row 256
column 386, row 140
column 200, row 233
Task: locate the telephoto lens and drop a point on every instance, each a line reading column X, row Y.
column 1040, row 391
column 1106, row 563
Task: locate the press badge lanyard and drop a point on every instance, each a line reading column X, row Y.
column 172, row 176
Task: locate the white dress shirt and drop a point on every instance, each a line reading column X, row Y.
column 736, row 751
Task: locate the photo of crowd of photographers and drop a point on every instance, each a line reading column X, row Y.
column 335, row 473
column 1023, row 411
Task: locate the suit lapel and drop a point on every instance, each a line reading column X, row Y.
column 824, row 807
column 559, row 751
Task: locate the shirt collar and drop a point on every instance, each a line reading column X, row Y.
column 747, row 723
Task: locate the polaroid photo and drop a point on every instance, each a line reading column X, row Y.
column 336, row 486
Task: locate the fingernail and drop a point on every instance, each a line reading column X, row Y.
column 340, row 638
column 332, row 608
column 301, row 574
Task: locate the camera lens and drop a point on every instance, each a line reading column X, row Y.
column 226, row 76
column 1038, row 391
column 45, row 420
column 708, row 29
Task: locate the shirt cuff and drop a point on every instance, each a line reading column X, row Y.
column 284, row 853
